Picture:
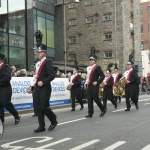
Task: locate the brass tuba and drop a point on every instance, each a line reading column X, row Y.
column 101, row 89
column 119, row 89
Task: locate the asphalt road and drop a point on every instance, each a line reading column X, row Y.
column 117, row 130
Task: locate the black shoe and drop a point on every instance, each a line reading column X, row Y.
column 17, row 120
column 72, row 109
column 39, row 129
column 52, row 126
column 82, row 108
column 137, row 107
column 115, row 106
column 35, row 115
column 102, row 113
column 89, row 116
column 127, row 109
column 119, row 100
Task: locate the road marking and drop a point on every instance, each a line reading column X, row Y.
column 142, row 100
column 72, row 121
column 146, row 103
column 48, row 145
column 146, row 148
column 85, row 145
column 115, row 145
column 8, row 145
column 120, row 109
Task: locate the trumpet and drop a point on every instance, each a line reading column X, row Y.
column 30, row 89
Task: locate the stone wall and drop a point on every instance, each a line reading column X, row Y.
column 89, row 35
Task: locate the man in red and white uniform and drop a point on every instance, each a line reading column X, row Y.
column 107, row 90
column 116, row 77
column 95, row 77
column 75, row 88
column 132, row 86
column 41, row 80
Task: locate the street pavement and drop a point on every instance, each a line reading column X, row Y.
column 117, row 130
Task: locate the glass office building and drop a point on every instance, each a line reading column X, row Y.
column 19, row 20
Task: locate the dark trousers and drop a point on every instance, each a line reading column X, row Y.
column 116, row 98
column 5, row 100
column 108, row 95
column 76, row 93
column 43, row 108
column 1, row 112
column 34, row 103
column 93, row 95
column 134, row 97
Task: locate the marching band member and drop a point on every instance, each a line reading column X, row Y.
column 116, row 77
column 75, row 88
column 42, row 78
column 132, row 87
column 6, row 91
column 107, row 89
column 94, row 77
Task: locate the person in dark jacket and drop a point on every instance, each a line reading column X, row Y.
column 6, row 91
column 75, row 89
column 132, row 86
column 44, row 75
column 94, row 78
column 108, row 90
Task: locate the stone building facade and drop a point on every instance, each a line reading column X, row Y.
column 112, row 27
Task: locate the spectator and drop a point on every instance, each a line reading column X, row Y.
column 23, row 73
column 31, row 74
column 13, row 71
column 57, row 73
column 18, row 73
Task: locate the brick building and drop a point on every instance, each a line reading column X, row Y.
column 145, row 19
column 110, row 27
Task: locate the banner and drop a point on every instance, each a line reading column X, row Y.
column 24, row 101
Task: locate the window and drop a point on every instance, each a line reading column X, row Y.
column 88, row 2
column 72, row 39
column 142, row 45
column 141, row 28
column 45, row 23
column 50, row 33
column 72, row 22
column 89, row 19
column 72, row 56
column 3, row 15
column 141, row 11
column 17, row 57
column 16, row 17
column 149, row 10
column 72, row 5
column 107, row 17
column 108, row 55
column 108, row 36
column 106, row 0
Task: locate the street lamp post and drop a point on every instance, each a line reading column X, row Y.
column 65, row 51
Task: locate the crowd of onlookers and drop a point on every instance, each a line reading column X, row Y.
column 144, row 86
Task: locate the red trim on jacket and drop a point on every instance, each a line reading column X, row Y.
column 91, row 74
column 39, row 71
column 129, row 75
column 116, row 79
